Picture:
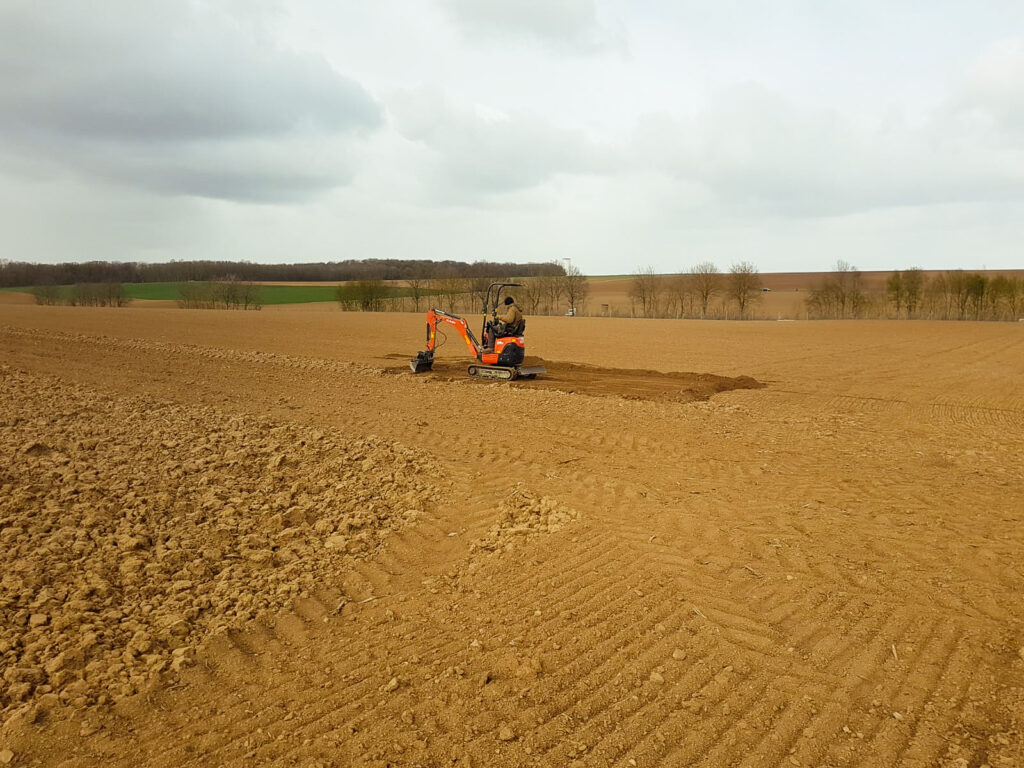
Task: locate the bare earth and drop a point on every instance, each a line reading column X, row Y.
column 256, row 539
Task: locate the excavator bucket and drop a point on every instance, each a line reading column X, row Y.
column 422, row 363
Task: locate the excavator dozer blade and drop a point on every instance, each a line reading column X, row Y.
column 422, row 363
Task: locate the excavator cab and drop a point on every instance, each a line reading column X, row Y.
column 492, row 329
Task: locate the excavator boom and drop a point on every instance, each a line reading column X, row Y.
column 435, row 316
column 425, row 360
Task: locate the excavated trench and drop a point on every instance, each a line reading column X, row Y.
column 634, row 384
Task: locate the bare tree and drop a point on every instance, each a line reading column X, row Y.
column 532, row 294
column 450, row 288
column 645, row 290
column 1007, row 291
column 245, row 294
column 957, row 294
column 553, row 289
column 46, row 294
column 976, row 286
column 680, row 288
column 895, row 291
column 417, row 289
column 913, row 284
column 195, row 295
column 226, row 293
column 937, row 297
column 365, row 295
column 956, row 286
column 575, row 287
column 849, row 293
column 994, row 296
column 478, row 286
column 707, row 283
column 744, row 285
column 841, row 295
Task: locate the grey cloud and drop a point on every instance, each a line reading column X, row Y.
column 246, row 170
column 172, row 97
column 565, row 24
column 754, row 151
column 761, row 153
column 478, row 153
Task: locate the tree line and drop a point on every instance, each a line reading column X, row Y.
column 18, row 273
column 910, row 293
column 539, row 295
column 548, row 288
column 707, row 292
column 230, row 293
column 702, row 292
column 82, row 295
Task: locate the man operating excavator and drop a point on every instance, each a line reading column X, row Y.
column 510, row 321
column 501, row 350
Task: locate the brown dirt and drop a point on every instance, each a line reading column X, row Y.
column 573, row 378
column 13, row 297
column 822, row 571
column 135, row 529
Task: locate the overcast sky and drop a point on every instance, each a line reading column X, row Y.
column 618, row 134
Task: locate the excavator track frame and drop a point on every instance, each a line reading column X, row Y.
column 504, row 373
column 491, row 372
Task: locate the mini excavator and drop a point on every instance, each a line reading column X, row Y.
column 502, row 352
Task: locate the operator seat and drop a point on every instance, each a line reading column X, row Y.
column 501, row 330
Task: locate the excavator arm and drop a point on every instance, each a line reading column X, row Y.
column 435, row 316
column 424, row 360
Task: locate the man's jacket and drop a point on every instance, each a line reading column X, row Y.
column 512, row 317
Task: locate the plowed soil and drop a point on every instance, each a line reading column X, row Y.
column 257, row 539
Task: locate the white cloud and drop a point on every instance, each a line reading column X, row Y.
column 568, row 25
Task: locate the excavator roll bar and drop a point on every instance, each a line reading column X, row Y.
column 494, row 306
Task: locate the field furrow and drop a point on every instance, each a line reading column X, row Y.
column 239, row 541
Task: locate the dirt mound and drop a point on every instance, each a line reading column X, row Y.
column 133, row 529
column 631, row 384
column 520, row 515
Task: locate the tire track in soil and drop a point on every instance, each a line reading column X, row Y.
column 615, row 603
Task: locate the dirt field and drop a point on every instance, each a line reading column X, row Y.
column 255, row 539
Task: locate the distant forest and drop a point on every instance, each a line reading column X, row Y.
column 18, row 273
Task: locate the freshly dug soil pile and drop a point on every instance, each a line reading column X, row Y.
column 131, row 530
column 522, row 515
column 630, row 384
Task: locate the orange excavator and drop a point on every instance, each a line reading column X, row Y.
column 501, row 353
